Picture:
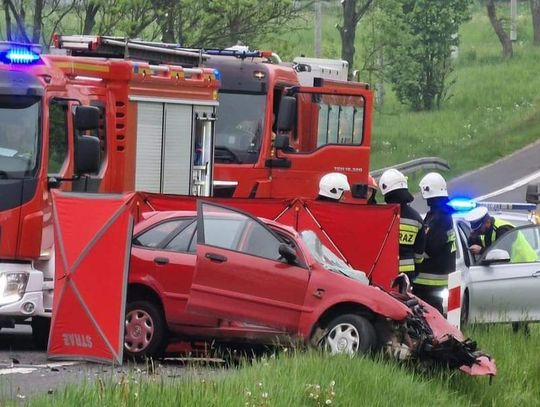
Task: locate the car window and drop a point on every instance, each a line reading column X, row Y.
column 181, row 242
column 155, row 235
column 464, row 232
column 520, row 245
column 228, row 229
column 260, row 242
column 223, row 232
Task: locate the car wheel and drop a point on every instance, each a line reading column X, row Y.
column 40, row 332
column 145, row 330
column 350, row 334
column 465, row 310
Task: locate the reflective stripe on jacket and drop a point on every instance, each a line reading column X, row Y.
column 411, row 240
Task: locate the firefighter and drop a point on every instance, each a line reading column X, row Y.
column 440, row 252
column 332, row 186
column 486, row 229
column 372, row 191
column 393, row 185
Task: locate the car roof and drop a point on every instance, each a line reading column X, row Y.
column 153, row 217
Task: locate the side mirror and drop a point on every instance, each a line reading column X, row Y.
column 533, row 194
column 287, row 252
column 86, row 118
column 87, row 152
column 281, row 142
column 495, row 256
column 287, row 114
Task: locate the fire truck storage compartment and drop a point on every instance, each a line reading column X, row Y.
column 166, row 136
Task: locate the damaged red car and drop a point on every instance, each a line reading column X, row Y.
column 193, row 275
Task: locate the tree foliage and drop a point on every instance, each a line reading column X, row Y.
column 206, row 23
column 419, row 58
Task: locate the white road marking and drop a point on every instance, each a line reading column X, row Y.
column 22, row 370
column 516, row 184
column 30, row 369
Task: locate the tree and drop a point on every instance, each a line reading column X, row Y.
column 497, row 25
column 419, row 60
column 353, row 11
column 535, row 12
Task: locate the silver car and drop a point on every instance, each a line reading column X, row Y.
column 494, row 287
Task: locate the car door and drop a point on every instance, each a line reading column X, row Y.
column 508, row 291
column 240, row 274
column 163, row 257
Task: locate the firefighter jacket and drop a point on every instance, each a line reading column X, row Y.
column 440, row 253
column 519, row 248
column 411, row 232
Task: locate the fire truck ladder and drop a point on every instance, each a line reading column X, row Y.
column 149, row 51
column 119, row 47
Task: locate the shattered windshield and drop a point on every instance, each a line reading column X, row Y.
column 19, row 130
column 328, row 259
column 239, row 127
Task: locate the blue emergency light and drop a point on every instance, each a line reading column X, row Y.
column 217, row 74
column 462, row 204
column 17, row 53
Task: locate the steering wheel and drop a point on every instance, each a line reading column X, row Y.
column 229, row 155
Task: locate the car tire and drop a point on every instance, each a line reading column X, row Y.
column 145, row 330
column 41, row 327
column 350, row 334
column 465, row 310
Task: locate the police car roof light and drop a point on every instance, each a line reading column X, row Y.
column 462, row 204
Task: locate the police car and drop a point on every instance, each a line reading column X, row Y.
column 495, row 287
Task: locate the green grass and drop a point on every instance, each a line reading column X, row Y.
column 295, row 379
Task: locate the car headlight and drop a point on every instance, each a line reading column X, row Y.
column 12, row 286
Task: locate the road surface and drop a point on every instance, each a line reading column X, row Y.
column 503, row 181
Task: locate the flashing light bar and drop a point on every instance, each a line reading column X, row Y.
column 508, row 206
column 21, row 56
column 462, row 204
column 466, row 204
column 19, row 53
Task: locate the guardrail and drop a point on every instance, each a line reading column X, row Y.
column 424, row 163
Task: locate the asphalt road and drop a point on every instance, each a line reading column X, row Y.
column 503, row 181
column 25, row 372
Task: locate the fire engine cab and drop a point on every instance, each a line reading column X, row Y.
column 280, row 126
column 90, row 125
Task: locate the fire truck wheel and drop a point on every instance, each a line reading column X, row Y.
column 145, row 333
column 350, row 334
column 40, row 332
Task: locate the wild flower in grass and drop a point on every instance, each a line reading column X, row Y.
column 256, row 399
column 321, row 396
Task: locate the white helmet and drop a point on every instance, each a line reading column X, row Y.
column 433, row 185
column 333, row 184
column 391, row 180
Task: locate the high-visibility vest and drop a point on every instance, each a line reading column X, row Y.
column 521, row 251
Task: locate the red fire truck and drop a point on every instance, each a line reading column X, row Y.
column 280, row 126
column 151, row 128
column 90, row 124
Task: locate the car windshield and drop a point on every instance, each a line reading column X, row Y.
column 328, row 259
column 19, row 135
column 239, row 127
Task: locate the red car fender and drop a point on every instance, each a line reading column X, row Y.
column 376, row 300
